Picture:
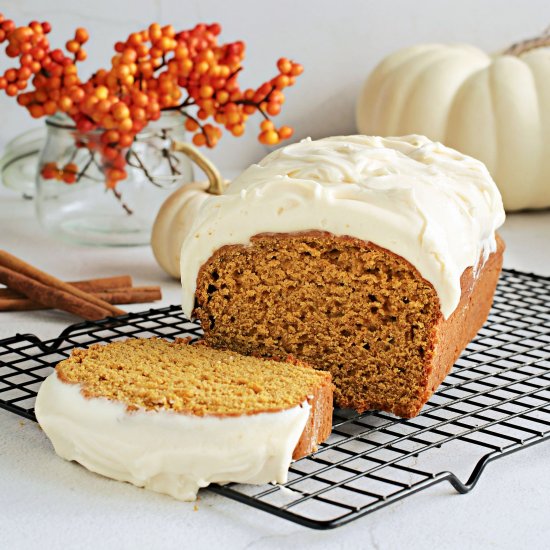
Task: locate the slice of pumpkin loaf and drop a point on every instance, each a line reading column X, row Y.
column 173, row 417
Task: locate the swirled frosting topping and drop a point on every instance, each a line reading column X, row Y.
column 430, row 204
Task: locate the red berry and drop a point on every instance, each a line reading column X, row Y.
column 72, row 46
column 12, row 89
column 284, row 65
column 84, row 125
column 69, row 177
column 215, row 29
column 126, row 140
column 81, row 35
column 285, row 132
column 57, row 56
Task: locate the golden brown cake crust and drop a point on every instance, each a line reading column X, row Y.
column 319, row 423
column 457, row 331
column 343, row 305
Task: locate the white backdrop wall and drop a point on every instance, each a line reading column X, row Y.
column 338, row 42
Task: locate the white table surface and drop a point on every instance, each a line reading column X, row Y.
column 46, row 502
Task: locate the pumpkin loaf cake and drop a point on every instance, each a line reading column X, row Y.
column 375, row 259
column 174, row 417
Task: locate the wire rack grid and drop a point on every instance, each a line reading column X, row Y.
column 495, row 401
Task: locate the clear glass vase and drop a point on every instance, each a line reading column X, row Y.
column 82, row 209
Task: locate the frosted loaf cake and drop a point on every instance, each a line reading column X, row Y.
column 375, row 259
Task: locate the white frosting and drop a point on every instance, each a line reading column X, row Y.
column 165, row 451
column 433, row 206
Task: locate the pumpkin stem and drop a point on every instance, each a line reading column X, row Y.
column 214, row 177
column 531, row 44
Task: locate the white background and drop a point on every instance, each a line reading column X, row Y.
column 338, row 42
column 48, row 503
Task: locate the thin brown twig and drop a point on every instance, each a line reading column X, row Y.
column 73, row 155
column 97, row 165
column 258, row 104
column 82, row 173
column 141, row 166
column 264, row 114
column 165, row 152
column 235, row 72
column 162, row 64
column 118, row 195
column 169, row 157
column 189, row 101
column 196, row 121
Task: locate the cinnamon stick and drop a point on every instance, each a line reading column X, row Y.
column 90, row 285
column 129, row 295
column 104, row 283
column 50, row 283
column 134, row 295
column 53, row 297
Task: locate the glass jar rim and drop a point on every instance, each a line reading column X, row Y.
column 60, row 120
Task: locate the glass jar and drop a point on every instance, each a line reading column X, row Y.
column 79, row 207
column 20, row 160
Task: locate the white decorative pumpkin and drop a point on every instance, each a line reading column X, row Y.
column 494, row 108
column 177, row 213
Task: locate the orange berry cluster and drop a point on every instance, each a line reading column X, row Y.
column 149, row 73
column 30, row 45
column 67, row 174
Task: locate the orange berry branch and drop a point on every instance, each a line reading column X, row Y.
column 154, row 70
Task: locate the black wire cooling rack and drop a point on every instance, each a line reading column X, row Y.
column 496, row 401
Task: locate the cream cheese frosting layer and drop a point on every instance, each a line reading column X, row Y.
column 165, row 451
column 433, row 206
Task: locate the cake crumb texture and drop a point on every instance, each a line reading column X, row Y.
column 196, row 379
column 345, row 306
